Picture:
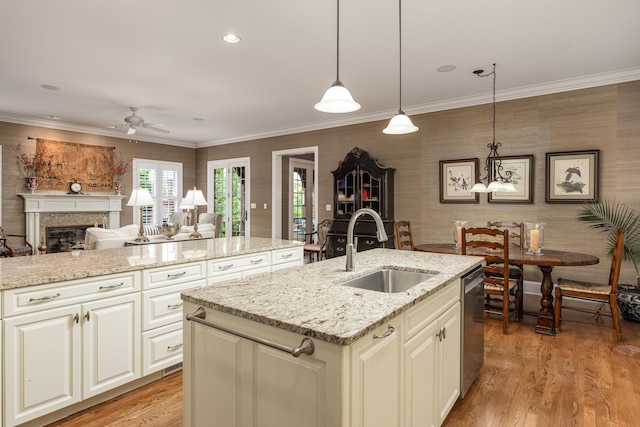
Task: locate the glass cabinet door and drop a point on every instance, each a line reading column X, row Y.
column 370, row 191
column 346, row 194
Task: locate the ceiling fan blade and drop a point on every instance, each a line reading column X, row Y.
column 156, row 129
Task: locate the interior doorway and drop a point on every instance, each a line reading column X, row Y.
column 280, row 186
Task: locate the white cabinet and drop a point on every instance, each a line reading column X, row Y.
column 162, row 312
column 432, row 358
column 57, row 357
column 232, row 381
column 376, row 377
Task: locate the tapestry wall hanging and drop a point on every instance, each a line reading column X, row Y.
column 91, row 165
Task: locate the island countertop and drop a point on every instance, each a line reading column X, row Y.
column 309, row 300
column 42, row 269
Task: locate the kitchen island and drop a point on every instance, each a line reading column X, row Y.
column 84, row 326
column 387, row 359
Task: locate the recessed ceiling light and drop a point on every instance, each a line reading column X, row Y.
column 198, row 119
column 446, row 68
column 231, row 38
column 50, row 87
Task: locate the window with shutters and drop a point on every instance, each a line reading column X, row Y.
column 164, row 182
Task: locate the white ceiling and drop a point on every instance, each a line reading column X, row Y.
column 167, row 58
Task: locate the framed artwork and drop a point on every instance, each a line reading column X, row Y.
column 456, row 179
column 518, row 170
column 572, row 177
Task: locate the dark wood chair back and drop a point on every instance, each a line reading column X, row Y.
column 404, row 236
column 516, row 231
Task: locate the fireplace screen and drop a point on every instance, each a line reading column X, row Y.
column 66, row 239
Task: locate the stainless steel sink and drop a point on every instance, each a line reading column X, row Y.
column 388, row 280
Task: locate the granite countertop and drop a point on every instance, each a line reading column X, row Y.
column 42, row 269
column 309, row 299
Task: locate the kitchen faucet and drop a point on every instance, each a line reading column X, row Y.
column 380, row 232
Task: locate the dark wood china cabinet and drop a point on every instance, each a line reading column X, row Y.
column 361, row 182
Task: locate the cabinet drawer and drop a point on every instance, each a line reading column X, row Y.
column 281, row 256
column 427, row 311
column 166, row 276
column 163, row 306
column 35, row 298
column 161, row 348
column 233, row 264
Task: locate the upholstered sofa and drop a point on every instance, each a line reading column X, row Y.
column 106, row 238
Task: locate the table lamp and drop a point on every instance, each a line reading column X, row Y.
column 194, row 198
column 140, row 197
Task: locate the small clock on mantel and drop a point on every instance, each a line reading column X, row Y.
column 75, row 187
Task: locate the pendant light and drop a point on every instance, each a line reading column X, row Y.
column 400, row 123
column 496, row 177
column 337, row 99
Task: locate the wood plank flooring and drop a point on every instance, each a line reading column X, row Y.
column 580, row 377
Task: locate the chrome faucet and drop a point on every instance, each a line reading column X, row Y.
column 380, row 232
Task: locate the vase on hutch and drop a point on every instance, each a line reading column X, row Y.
column 118, row 185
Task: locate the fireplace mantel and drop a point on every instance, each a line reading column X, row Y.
column 60, row 202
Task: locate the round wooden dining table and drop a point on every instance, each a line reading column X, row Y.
column 545, row 262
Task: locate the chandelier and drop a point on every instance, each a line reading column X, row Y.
column 495, row 178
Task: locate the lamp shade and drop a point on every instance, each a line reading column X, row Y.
column 193, row 198
column 337, row 99
column 479, row 188
column 399, row 124
column 140, row 197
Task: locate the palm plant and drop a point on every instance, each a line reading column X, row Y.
column 608, row 217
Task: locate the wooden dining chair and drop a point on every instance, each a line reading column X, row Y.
column 317, row 244
column 493, row 244
column 516, row 240
column 601, row 294
column 404, row 236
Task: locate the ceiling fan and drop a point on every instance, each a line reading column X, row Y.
column 133, row 122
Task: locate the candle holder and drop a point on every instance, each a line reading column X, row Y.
column 534, row 237
column 457, row 232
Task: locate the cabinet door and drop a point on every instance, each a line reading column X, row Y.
column 376, row 378
column 111, row 343
column 421, row 378
column 41, row 363
column 449, row 364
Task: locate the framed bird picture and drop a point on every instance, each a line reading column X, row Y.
column 572, row 177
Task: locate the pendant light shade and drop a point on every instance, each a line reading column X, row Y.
column 337, row 99
column 400, row 123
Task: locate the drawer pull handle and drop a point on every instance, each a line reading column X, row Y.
column 114, row 286
column 340, row 249
column 389, row 331
column 76, row 318
column 342, row 240
column 87, row 316
column 225, row 267
column 287, row 255
column 174, row 306
column 174, row 347
column 442, row 334
column 47, row 298
column 370, row 242
column 173, row 276
column 257, row 261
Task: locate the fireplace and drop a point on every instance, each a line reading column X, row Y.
column 65, row 238
column 58, row 209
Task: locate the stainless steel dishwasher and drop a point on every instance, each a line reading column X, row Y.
column 472, row 298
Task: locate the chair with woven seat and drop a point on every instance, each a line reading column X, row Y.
column 404, row 236
column 594, row 292
column 493, row 245
column 516, row 240
column 318, row 245
column 14, row 247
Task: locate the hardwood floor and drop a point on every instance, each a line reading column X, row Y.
column 580, row 377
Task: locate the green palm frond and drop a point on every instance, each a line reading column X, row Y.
column 608, row 217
